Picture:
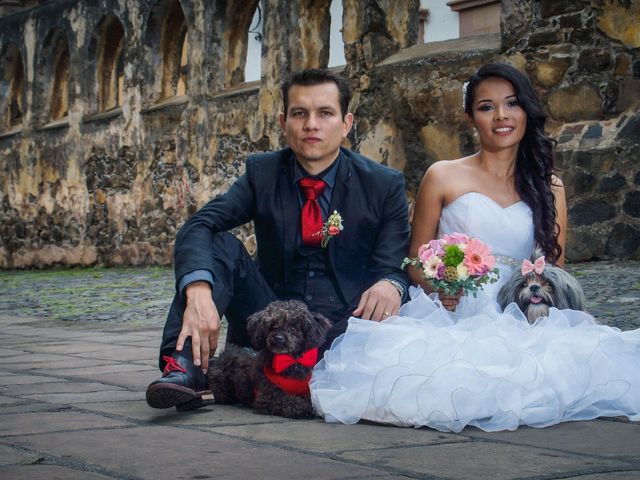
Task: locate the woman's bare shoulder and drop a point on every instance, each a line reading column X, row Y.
column 451, row 166
column 556, row 182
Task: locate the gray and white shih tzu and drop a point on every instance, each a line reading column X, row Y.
column 538, row 286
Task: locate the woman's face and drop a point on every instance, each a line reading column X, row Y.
column 497, row 115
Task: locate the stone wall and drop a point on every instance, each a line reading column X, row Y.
column 111, row 187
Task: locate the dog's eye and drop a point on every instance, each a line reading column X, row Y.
column 293, row 328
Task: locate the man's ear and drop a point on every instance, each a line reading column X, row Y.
column 347, row 123
column 282, row 119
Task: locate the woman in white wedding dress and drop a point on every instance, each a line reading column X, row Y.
column 477, row 365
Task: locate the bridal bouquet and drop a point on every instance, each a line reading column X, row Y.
column 456, row 263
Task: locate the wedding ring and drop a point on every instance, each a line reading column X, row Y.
column 386, row 314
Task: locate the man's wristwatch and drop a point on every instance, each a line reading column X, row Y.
column 399, row 287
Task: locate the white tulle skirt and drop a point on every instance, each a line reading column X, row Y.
column 491, row 370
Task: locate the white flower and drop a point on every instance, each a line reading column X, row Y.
column 463, row 273
column 430, row 267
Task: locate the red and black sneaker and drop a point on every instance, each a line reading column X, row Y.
column 182, row 385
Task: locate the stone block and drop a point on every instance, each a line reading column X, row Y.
column 623, row 241
column 542, row 38
column 632, row 204
column 578, row 182
column 549, row 74
column 628, row 94
column 623, row 64
column 593, row 60
column 619, row 20
column 591, row 211
column 577, row 102
column 584, row 243
column 613, row 183
column 440, row 141
column 384, row 144
column 631, row 131
column 573, row 20
column 550, row 8
column 594, row 131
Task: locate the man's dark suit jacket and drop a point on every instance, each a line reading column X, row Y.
column 370, row 197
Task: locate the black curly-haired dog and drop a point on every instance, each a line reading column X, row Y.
column 274, row 379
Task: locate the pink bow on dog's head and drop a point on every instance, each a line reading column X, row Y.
column 537, row 266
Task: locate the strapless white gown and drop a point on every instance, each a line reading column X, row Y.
column 479, row 366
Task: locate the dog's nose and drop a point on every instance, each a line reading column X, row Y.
column 279, row 338
column 534, row 288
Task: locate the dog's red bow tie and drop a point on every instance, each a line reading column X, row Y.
column 283, row 361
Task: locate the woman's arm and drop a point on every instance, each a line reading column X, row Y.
column 561, row 219
column 426, row 216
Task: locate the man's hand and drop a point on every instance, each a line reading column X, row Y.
column 379, row 302
column 201, row 322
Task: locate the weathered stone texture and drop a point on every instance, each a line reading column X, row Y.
column 113, row 187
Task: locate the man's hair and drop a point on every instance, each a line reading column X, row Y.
column 315, row 76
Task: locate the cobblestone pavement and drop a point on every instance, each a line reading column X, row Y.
column 80, row 348
column 141, row 296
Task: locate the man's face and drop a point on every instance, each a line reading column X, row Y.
column 314, row 127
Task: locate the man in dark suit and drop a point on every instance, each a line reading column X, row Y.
column 289, row 195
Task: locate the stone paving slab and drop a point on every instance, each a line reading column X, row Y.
column 61, row 386
column 122, row 353
column 4, row 400
column 462, row 461
column 168, row 452
column 91, row 371
column 220, row 415
column 7, row 379
column 50, row 472
column 89, row 397
column 13, row 456
column 337, row 438
column 136, row 380
column 43, row 422
column 614, row 439
column 28, row 406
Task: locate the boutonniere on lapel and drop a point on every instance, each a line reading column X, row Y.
column 331, row 228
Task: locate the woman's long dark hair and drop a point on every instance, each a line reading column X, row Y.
column 534, row 163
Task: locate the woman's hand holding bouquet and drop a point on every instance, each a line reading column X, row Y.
column 455, row 265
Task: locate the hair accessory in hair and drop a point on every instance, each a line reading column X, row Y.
column 537, row 266
column 465, row 86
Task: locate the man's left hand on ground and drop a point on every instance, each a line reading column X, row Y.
column 378, row 302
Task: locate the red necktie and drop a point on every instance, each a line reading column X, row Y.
column 312, row 188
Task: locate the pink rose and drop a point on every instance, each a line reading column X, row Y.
column 333, row 230
column 424, row 253
column 437, row 247
column 456, row 238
